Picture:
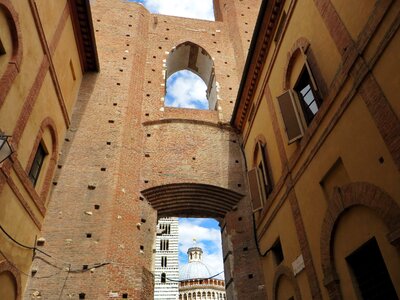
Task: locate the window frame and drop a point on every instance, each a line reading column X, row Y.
column 37, row 163
column 260, row 177
column 301, row 102
column 163, row 278
column 295, row 112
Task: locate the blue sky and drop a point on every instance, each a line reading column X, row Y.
column 186, row 90
column 196, row 9
column 208, row 236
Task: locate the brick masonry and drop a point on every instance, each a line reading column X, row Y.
column 122, row 140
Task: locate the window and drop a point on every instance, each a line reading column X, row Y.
column 260, row 177
column 2, row 49
column 277, row 252
column 300, row 104
column 165, row 228
column 163, row 277
column 163, row 261
column 37, row 164
column 164, row 245
column 307, row 94
column 370, row 273
column 190, row 78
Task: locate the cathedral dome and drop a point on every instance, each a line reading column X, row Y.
column 195, row 269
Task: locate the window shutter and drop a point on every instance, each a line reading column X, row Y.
column 254, row 186
column 290, row 116
column 268, row 184
column 314, row 84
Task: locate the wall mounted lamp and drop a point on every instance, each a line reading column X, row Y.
column 5, row 147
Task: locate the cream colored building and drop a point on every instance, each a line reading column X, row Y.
column 318, row 111
column 46, row 47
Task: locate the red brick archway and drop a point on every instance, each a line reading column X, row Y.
column 191, row 200
column 354, row 194
column 285, row 271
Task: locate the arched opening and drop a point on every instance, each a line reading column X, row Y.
column 185, row 89
column 10, row 47
column 345, row 221
column 8, row 286
column 285, row 285
column 196, row 200
column 195, row 256
column 356, row 242
column 191, row 200
column 191, row 63
column 163, row 278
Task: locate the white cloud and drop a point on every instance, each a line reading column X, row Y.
column 186, row 90
column 209, row 239
column 182, row 8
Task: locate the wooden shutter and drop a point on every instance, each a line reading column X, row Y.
column 264, row 163
column 290, row 116
column 310, row 74
column 255, row 191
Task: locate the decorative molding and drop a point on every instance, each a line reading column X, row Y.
column 81, row 16
column 12, row 70
column 191, row 199
column 6, row 266
column 264, row 40
column 348, row 196
column 284, row 271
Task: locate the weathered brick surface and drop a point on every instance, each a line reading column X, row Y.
column 120, row 137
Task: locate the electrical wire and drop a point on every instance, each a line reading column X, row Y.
column 65, row 282
column 22, row 245
column 173, row 280
column 95, row 265
column 69, row 270
column 26, row 274
column 256, row 240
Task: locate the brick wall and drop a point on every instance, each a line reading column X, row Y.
column 122, row 141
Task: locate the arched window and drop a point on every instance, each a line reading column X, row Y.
column 10, row 47
column 42, row 160
column 190, row 78
column 303, row 95
column 163, row 277
column 260, row 176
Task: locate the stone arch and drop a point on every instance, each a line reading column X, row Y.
column 354, row 194
column 14, row 63
column 191, row 199
column 8, row 268
column 286, row 272
column 192, row 57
